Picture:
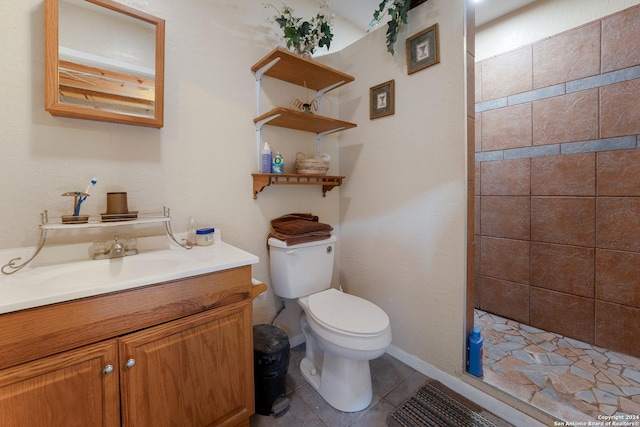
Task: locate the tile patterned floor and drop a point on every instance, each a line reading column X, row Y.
column 565, row 378
column 393, row 383
column 568, row 379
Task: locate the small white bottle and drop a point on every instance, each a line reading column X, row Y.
column 191, row 233
column 265, row 166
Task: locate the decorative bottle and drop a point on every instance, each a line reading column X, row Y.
column 278, row 164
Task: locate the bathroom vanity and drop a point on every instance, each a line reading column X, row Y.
column 174, row 352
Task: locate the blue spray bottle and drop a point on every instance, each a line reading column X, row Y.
column 265, row 158
column 474, row 356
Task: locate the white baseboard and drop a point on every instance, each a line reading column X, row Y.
column 296, row 340
column 491, row 404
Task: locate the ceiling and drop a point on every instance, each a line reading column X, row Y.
column 360, row 12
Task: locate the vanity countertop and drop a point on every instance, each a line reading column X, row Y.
column 48, row 284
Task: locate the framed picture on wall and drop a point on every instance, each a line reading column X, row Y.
column 382, row 100
column 423, row 49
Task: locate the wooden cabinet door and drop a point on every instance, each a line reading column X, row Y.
column 64, row 390
column 192, row 372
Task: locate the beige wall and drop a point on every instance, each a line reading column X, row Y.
column 199, row 164
column 403, row 206
column 400, row 215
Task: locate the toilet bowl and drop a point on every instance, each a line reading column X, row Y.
column 342, row 332
column 338, row 347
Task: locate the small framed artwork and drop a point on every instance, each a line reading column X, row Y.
column 382, row 100
column 423, row 49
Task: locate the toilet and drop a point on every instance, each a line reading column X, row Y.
column 342, row 332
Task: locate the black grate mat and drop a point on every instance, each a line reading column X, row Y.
column 432, row 407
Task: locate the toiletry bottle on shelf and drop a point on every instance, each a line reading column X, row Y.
column 474, row 356
column 278, row 164
column 265, row 166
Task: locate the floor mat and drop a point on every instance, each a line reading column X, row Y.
column 434, row 405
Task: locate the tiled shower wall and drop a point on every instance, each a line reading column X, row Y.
column 557, row 183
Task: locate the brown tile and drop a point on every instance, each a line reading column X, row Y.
column 568, row 56
column 507, row 74
column 472, row 289
column 619, row 32
column 507, row 299
column 566, row 118
column 478, row 133
column 568, row 269
column 478, row 242
column 476, row 181
column 471, row 93
column 478, row 81
column 619, row 173
column 506, row 216
column 508, row 127
column 618, row 277
column 564, row 220
column 506, row 177
column 568, row 315
column 566, row 175
column 619, row 106
column 505, row 259
column 617, row 328
column 476, row 215
column 618, row 223
column 471, row 145
column 471, row 208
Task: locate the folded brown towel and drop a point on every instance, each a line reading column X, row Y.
column 296, row 228
column 296, row 240
column 299, row 224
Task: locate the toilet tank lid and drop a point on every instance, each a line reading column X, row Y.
column 272, row 241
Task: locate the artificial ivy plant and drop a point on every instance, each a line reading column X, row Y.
column 398, row 10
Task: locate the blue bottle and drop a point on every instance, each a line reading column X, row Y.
column 474, row 348
column 265, row 158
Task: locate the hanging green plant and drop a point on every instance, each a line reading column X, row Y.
column 398, row 10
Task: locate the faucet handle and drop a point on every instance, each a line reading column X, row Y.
column 117, row 250
column 99, row 248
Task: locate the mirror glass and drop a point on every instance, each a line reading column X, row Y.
column 104, row 61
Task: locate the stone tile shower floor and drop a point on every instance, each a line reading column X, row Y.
column 568, row 379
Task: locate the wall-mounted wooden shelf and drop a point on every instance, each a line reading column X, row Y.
column 261, row 180
column 293, row 68
column 298, row 120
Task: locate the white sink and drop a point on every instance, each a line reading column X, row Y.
column 80, row 277
column 91, row 274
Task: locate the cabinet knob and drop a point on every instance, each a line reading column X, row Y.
column 108, row 369
column 131, row 363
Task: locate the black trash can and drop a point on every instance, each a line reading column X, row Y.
column 270, row 362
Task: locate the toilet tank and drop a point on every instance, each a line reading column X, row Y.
column 301, row 270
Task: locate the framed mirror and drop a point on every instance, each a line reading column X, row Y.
column 104, row 61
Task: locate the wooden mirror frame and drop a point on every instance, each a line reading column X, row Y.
column 52, row 79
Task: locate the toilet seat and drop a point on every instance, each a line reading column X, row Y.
column 347, row 314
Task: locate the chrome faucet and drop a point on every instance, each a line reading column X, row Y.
column 117, row 250
column 103, row 250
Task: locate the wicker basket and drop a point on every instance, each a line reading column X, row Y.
column 319, row 165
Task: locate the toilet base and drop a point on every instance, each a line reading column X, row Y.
column 343, row 383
